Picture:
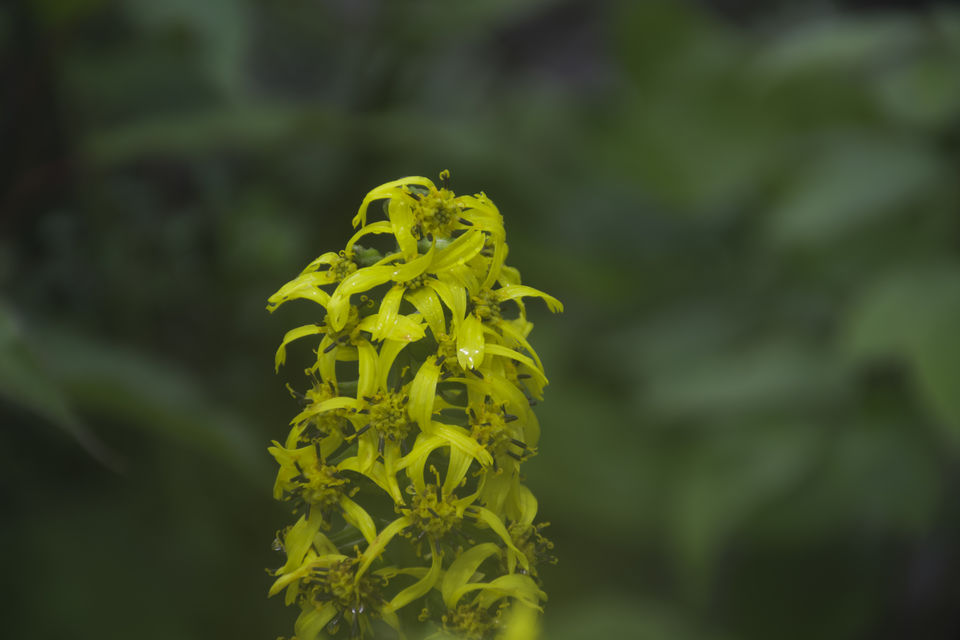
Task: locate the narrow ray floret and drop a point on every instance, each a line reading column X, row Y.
column 403, row 465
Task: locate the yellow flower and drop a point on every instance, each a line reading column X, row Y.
column 417, row 366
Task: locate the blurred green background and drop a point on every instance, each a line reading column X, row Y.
column 750, row 210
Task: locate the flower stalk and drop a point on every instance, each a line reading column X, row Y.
column 403, row 465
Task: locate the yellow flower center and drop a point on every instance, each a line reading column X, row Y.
column 489, row 425
column 471, row 621
column 338, row 584
column 350, row 333
column 387, row 413
column 433, row 512
column 436, row 212
column 342, row 267
column 486, row 306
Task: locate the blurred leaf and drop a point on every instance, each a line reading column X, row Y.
column 874, row 476
column 854, row 181
column 472, row 20
column 913, row 315
column 892, row 316
column 776, row 374
column 937, row 359
column 57, row 13
column 923, row 92
column 143, row 392
column 728, row 478
column 581, row 473
column 222, row 26
column 616, row 615
column 199, row 132
column 840, row 44
column 26, row 383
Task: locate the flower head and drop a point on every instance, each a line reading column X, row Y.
column 403, row 463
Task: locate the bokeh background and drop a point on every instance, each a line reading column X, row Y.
column 750, row 210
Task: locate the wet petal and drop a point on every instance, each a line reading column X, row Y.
column 459, row 251
column 425, row 301
column 454, row 297
column 409, row 270
column 470, row 343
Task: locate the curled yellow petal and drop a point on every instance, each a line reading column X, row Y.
column 420, row 587
column 294, row 334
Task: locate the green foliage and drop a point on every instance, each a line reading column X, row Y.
column 753, row 227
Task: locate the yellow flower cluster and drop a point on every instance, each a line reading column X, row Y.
column 404, row 464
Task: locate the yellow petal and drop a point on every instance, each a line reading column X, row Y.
column 470, row 343
column 375, row 548
column 526, row 505
column 411, row 269
column 403, row 221
column 304, row 286
column 422, row 393
column 521, row 587
column 406, row 329
column 462, row 569
column 363, row 280
column 389, row 351
column 454, row 297
column 358, row 517
column 420, row 587
column 294, row 334
column 511, row 331
column 499, row 350
column 461, row 439
column 327, row 360
column 310, row 623
column 375, row 227
column 457, row 468
column 391, row 189
column 330, row 404
column 328, row 258
column 495, row 269
column 521, row 623
column 514, row 291
column 494, row 522
column 389, row 310
column 423, row 446
column 367, row 370
column 459, row 251
column 425, row 301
